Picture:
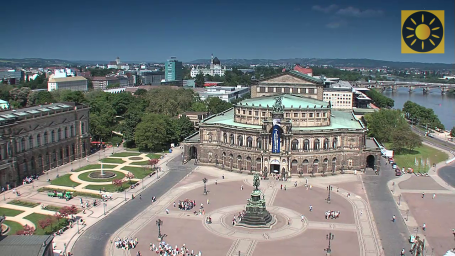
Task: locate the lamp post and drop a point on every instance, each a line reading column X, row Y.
column 104, row 208
column 329, row 237
column 159, row 222
column 399, row 200
column 77, row 226
column 205, row 185
column 329, row 188
column 125, row 194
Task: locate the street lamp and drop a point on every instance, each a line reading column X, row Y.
column 159, row 222
column 399, row 200
column 104, row 207
column 205, row 185
column 329, row 237
column 329, row 188
column 125, row 194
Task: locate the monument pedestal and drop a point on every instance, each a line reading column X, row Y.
column 256, row 215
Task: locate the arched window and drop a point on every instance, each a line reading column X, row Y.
column 240, row 140
column 306, row 145
column 259, row 143
column 231, row 139
column 38, row 140
column 326, row 144
column 52, row 136
column 46, row 138
column 22, row 145
column 317, row 144
column 335, row 143
column 249, row 142
column 30, row 142
column 82, row 128
column 294, row 145
column 59, row 133
column 72, row 131
column 210, row 137
column 225, row 138
column 66, row 133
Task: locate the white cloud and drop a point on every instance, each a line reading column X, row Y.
column 336, row 24
column 356, row 12
column 327, row 9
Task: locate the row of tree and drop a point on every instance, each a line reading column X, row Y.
column 390, row 126
column 380, row 100
column 421, row 115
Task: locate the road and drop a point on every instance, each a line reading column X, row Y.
column 394, row 235
column 447, row 173
column 95, row 239
column 434, row 141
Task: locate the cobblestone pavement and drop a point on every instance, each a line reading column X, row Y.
column 355, row 231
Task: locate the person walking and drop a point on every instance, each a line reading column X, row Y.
column 281, row 186
column 393, row 218
column 140, row 197
column 311, row 208
column 302, row 218
column 423, row 194
column 216, row 182
column 403, row 252
column 424, row 226
column 241, row 187
column 434, row 195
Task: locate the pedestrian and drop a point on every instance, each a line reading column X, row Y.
column 453, row 232
column 423, row 194
column 241, row 187
column 403, row 252
column 216, row 182
column 306, row 181
column 295, row 184
column 311, row 208
column 208, row 201
column 289, row 221
column 361, row 212
column 223, row 176
column 302, row 218
column 424, row 226
column 140, row 196
column 284, row 187
column 281, row 186
column 174, row 204
column 434, row 195
column 338, row 190
column 167, row 211
column 393, row 218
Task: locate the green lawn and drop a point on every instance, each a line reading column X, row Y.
column 52, row 208
column 138, row 172
column 109, row 187
column 65, row 181
column 75, row 193
column 140, row 163
column 153, row 156
column 36, row 217
column 112, row 160
column 95, row 166
column 126, row 154
column 9, row 212
column 23, row 203
column 85, row 176
column 13, row 227
column 407, row 158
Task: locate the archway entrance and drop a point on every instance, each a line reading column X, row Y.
column 193, row 152
column 294, row 167
column 275, row 168
column 370, row 161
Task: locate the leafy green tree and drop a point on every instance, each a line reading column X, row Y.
column 383, row 123
column 19, row 95
column 182, row 128
column 421, row 115
column 199, row 81
column 121, row 101
column 199, row 106
column 215, row 105
column 452, row 132
column 73, row 96
column 380, row 100
column 140, row 92
column 154, row 132
column 39, row 98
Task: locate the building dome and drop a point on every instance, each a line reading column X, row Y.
column 216, row 61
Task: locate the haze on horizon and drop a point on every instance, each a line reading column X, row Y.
column 154, row 31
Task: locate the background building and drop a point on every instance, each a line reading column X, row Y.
column 152, row 77
column 11, row 76
column 36, row 245
column 227, row 94
column 339, row 98
column 195, row 117
column 173, row 70
column 101, row 82
column 40, row 138
column 214, row 70
column 76, row 83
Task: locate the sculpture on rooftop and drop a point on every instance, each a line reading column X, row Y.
column 278, row 106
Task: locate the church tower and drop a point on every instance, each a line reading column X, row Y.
column 211, row 62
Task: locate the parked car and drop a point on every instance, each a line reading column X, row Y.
column 394, row 165
column 397, row 172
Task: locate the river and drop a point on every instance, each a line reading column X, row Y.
column 443, row 105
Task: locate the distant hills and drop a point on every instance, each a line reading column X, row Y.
column 366, row 63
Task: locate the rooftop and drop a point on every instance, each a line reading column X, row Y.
column 289, row 101
column 15, row 113
column 25, row 245
column 67, row 79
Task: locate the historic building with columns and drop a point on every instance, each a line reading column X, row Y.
column 284, row 133
column 40, row 138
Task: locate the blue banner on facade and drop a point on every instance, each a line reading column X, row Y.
column 276, row 139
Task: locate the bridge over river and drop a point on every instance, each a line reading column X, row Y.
column 394, row 85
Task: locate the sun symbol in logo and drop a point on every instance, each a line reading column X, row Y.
column 422, row 31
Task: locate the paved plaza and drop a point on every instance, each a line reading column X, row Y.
column 354, row 231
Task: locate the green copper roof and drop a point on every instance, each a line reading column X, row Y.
column 339, row 120
column 306, row 77
column 288, row 100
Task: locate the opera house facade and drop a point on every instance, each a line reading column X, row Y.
column 285, row 128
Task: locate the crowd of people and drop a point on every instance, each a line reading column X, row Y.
column 166, row 249
column 29, row 180
column 126, row 243
column 238, row 218
column 186, row 204
column 332, row 214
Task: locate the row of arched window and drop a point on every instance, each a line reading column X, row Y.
column 46, row 138
column 240, row 142
column 316, row 144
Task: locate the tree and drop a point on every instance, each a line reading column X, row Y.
column 39, row 98
column 19, row 95
column 44, row 223
column 119, row 184
column 140, row 92
column 129, row 176
column 26, row 231
column 452, row 132
column 153, row 162
column 182, row 128
column 58, row 217
column 154, row 132
column 200, row 80
column 73, row 96
column 199, row 106
column 215, row 105
column 413, row 140
column 384, row 123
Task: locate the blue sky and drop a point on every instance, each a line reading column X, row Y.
column 155, row 30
